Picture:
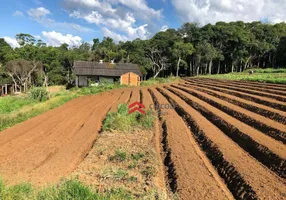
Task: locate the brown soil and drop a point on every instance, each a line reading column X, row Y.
column 279, row 87
column 135, row 96
column 244, row 86
column 263, row 124
column 265, row 184
column 195, row 176
column 124, row 98
column 137, row 175
column 279, row 99
column 204, row 147
column 47, row 147
column 266, row 111
column 258, row 99
column 270, row 143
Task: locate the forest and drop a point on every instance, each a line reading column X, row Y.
column 189, row 51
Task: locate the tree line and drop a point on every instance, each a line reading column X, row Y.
column 189, row 51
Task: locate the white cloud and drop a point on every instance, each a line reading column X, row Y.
column 164, row 28
column 113, row 35
column 141, row 6
column 53, row 38
column 18, row 13
column 38, row 13
column 116, row 17
column 12, row 41
column 212, row 11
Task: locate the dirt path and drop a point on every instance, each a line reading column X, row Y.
column 46, row 153
column 265, row 184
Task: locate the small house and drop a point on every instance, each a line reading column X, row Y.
column 100, row 72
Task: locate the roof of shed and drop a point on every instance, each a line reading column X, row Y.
column 104, row 69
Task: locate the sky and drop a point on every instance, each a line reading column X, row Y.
column 76, row 21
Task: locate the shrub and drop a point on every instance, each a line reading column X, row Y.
column 39, row 93
column 122, row 121
column 118, row 156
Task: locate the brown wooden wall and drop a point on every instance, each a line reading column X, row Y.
column 130, row 79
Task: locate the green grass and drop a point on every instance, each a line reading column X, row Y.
column 26, row 112
column 268, row 70
column 68, row 190
column 119, row 156
column 96, row 90
column 155, row 81
column 122, row 121
column 277, row 76
column 12, row 103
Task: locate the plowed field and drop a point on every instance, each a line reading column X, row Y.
column 219, row 139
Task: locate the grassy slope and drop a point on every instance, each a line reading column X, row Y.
column 69, row 189
column 261, row 75
column 15, row 109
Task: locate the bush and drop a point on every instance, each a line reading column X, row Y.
column 39, row 93
column 122, row 121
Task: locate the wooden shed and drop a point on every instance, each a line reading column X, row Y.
column 104, row 72
column 130, row 78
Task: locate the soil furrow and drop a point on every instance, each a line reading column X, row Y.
column 55, row 115
column 242, row 173
column 265, row 111
column 63, row 131
column 190, row 172
column 250, row 83
column 239, row 188
column 123, row 99
column 268, row 151
column 250, row 87
column 56, row 151
column 267, row 126
column 135, row 96
column 261, row 100
column 29, row 138
column 248, row 91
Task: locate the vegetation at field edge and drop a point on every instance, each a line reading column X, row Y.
column 122, row 121
column 67, row 190
column 260, row 75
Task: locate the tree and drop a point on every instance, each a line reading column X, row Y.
column 181, row 50
column 21, row 70
column 23, row 39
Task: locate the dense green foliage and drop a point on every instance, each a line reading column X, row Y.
column 190, row 50
column 122, row 121
column 68, row 190
column 39, row 93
